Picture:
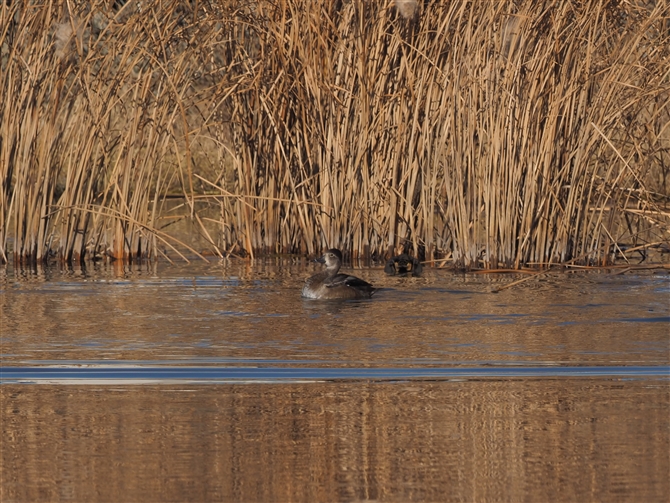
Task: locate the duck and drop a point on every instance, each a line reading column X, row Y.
column 331, row 285
column 403, row 264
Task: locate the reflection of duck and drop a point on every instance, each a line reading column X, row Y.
column 329, row 284
column 403, row 264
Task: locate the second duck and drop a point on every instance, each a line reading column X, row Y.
column 330, row 285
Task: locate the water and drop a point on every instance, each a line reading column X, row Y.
column 218, row 382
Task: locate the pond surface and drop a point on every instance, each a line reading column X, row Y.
column 212, row 382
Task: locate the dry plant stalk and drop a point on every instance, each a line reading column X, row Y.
column 497, row 134
column 95, row 125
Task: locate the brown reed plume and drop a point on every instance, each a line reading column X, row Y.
column 490, row 133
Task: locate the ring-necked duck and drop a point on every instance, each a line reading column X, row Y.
column 403, row 264
column 329, row 284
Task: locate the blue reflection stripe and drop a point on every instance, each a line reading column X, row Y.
column 15, row 374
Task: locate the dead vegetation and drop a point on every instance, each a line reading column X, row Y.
column 491, row 134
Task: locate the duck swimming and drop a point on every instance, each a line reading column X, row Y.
column 330, row 285
column 403, row 264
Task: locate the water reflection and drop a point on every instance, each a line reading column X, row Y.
column 480, row 439
column 518, row 440
column 232, row 311
column 84, row 372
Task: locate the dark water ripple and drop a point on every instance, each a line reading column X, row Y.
column 219, row 383
column 284, row 374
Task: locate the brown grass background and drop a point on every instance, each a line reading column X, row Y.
column 484, row 134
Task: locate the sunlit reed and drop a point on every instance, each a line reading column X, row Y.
column 493, row 134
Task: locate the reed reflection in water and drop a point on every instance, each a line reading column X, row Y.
column 206, row 314
column 514, row 440
column 472, row 440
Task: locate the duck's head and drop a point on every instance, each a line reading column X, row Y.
column 332, row 258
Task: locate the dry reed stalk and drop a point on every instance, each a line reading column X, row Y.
column 495, row 133
column 94, row 118
column 480, row 129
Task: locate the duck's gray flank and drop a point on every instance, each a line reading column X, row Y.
column 330, row 284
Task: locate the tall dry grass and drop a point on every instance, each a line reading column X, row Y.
column 494, row 133
column 490, row 133
column 95, row 125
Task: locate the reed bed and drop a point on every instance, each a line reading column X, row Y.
column 492, row 134
column 95, row 126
